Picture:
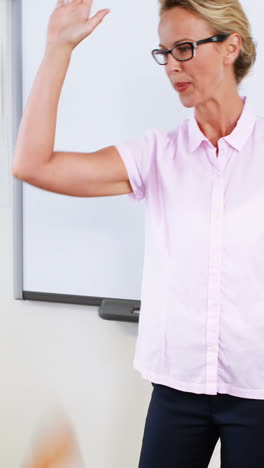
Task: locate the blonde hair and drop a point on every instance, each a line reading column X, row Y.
column 224, row 17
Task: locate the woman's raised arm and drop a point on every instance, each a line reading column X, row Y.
column 99, row 173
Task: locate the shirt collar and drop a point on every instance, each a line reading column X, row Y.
column 236, row 139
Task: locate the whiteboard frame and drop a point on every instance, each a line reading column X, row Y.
column 16, row 40
column 19, row 293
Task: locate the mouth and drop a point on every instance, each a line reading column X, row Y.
column 181, row 87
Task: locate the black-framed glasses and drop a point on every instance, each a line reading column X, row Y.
column 185, row 50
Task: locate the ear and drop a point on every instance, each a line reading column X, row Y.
column 232, row 48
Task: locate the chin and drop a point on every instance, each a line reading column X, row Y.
column 188, row 105
column 187, row 101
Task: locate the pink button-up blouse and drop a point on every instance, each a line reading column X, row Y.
column 201, row 326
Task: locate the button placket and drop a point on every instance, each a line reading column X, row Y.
column 214, row 279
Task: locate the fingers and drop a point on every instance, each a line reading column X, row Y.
column 98, row 18
column 63, row 2
column 88, row 2
column 81, row 22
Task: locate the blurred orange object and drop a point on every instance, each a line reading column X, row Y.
column 55, row 447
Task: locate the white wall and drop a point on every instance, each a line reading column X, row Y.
column 54, row 355
column 65, row 355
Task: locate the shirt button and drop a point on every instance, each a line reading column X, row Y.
column 212, row 348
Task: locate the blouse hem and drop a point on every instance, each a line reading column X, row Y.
column 212, row 388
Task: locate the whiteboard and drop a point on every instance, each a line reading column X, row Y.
column 113, row 92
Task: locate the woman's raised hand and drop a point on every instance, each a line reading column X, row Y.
column 70, row 23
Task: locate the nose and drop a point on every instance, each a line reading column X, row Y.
column 173, row 64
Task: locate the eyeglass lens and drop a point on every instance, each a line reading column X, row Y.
column 182, row 51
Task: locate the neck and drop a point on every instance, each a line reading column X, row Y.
column 218, row 117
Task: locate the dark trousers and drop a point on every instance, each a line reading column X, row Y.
column 182, row 429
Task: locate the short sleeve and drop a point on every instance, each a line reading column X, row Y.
column 137, row 156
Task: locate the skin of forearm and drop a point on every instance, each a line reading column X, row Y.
column 36, row 135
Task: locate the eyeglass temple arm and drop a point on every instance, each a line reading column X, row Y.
column 219, row 38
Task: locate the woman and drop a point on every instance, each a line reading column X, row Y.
column 201, row 325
